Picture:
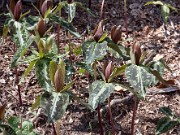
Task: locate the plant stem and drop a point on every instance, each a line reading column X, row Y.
column 110, row 116
column 102, row 6
column 125, row 17
column 19, row 88
column 54, row 129
column 58, row 32
column 95, row 71
column 98, row 108
column 89, row 5
column 134, row 115
column 100, row 121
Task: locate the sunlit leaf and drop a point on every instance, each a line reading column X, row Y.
column 140, row 79
column 99, row 91
column 54, row 105
column 94, row 51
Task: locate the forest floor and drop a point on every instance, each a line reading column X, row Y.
column 145, row 26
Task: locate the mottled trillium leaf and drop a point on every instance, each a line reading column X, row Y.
column 42, row 73
column 139, row 78
column 54, row 104
column 65, row 24
column 167, row 111
column 94, row 51
column 71, row 11
column 23, row 40
column 99, row 91
column 165, row 124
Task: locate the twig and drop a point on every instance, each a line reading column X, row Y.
column 100, row 121
column 102, row 6
column 117, row 101
column 134, row 115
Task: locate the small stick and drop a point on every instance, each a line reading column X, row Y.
column 102, row 6
column 100, row 121
column 54, row 129
column 134, row 115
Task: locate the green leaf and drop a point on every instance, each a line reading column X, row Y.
column 117, row 71
column 5, row 31
column 167, row 111
column 14, row 122
column 99, row 91
column 54, row 105
column 71, row 11
column 27, row 127
column 24, row 14
column 165, row 11
column 66, row 25
column 154, row 3
column 23, row 40
column 31, row 65
column 8, row 129
column 139, row 78
column 103, row 37
column 47, row 13
column 36, row 104
column 165, row 124
column 52, row 70
column 158, row 76
column 67, row 86
column 94, row 51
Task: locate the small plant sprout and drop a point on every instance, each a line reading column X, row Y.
column 165, row 9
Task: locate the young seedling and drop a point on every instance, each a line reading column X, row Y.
column 168, row 122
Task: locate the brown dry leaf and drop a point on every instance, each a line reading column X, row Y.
column 119, row 88
column 2, row 111
column 169, row 82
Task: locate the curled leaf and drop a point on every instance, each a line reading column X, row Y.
column 47, row 4
column 17, row 10
column 137, row 53
column 98, row 32
column 12, row 5
column 49, row 42
column 108, row 71
column 41, row 27
column 116, row 34
column 59, row 77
